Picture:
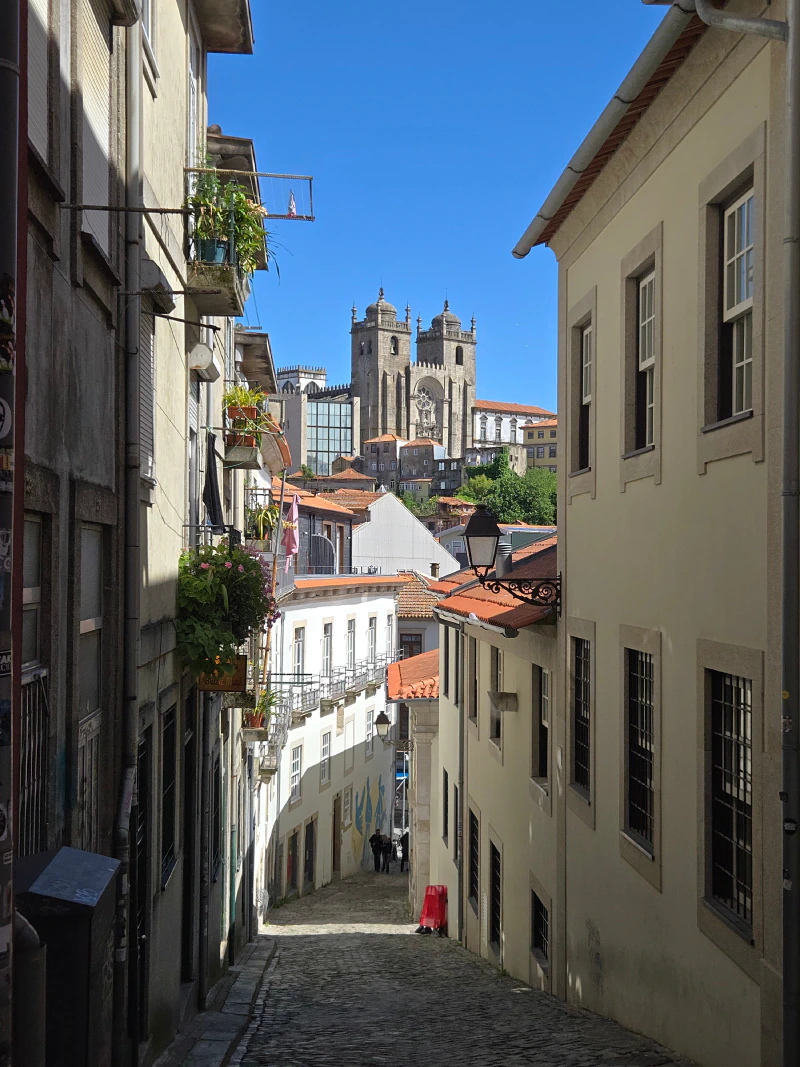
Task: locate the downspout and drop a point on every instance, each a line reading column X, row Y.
column 205, row 853
column 278, row 531
column 130, row 711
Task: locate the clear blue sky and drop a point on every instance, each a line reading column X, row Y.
column 433, row 130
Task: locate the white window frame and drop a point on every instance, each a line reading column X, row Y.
column 484, row 427
column 389, row 635
column 327, row 649
column 369, row 737
column 544, row 692
column 587, row 357
column 647, row 349
column 351, row 643
column 325, row 757
column 32, row 594
column 347, row 806
column 498, row 428
column 738, row 306
column 372, row 638
column 296, row 781
column 299, row 650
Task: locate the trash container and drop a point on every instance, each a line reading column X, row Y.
column 68, row 896
column 434, row 909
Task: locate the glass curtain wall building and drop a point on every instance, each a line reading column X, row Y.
column 329, row 433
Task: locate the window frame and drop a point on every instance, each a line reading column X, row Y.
column 296, row 776
column 325, row 757
column 474, row 860
column 347, row 806
column 350, row 646
column 494, row 925
column 579, row 799
column 369, row 733
column 541, row 705
column 327, row 648
column 169, row 794
column 721, row 436
column 581, row 415
column 642, row 855
column 445, row 807
column 539, row 963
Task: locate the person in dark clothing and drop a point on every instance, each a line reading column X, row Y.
column 404, row 847
column 387, row 853
column 376, row 844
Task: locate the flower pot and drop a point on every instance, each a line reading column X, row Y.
column 211, row 250
column 249, row 412
column 246, row 439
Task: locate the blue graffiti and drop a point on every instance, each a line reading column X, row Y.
column 360, row 810
column 380, row 811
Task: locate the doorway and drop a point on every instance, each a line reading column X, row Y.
column 309, row 857
column 142, row 873
column 336, row 837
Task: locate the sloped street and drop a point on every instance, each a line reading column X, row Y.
column 352, row 984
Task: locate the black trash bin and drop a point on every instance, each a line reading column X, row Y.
column 69, row 896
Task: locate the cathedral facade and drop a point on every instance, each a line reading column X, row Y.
column 429, row 397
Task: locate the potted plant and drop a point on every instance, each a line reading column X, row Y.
column 262, row 713
column 212, row 222
column 261, row 521
column 223, row 595
column 242, row 403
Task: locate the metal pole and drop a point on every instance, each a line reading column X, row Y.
column 791, row 546
column 9, row 158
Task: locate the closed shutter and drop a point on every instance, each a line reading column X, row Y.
column 194, row 401
column 96, row 88
column 38, row 75
column 147, row 385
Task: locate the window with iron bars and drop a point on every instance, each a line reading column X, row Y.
column 495, row 894
column 640, row 792
column 474, row 858
column 540, row 928
column 581, row 713
column 168, row 771
column 731, row 799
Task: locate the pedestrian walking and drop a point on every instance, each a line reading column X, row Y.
column 387, row 853
column 404, row 847
column 376, row 844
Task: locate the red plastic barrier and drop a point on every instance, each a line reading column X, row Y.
column 434, row 908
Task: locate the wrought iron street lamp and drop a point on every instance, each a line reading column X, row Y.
column 483, row 536
column 382, row 726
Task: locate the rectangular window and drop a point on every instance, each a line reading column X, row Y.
column 581, row 713
column 540, row 434
column 541, row 725
column 496, row 683
column 31, row 591
column 474, row 858
column 390, row 636
column 96, row 97
column 370, row 731
column 39, row 75
column 540, row 929
column 553, row 433
column 531, row 453
column 586, row 362
column 646, row 360
column 736, row 377
column 297, row 771
column 351, row 643
column 495, row 894
column 446, row 663
column 216, row 817
column 327, row 649
column 147, row 390
column 552, row 451
column 640, row 747
column 540, row 452
column 498, row 429
column 445, row 806
column 89, row 782
column 372, row 638
column 325, row 758
column 472, row 709
column 347, row 806
column 91, row 620
column 497, row 670
column 457, row 812
column 731, row 794
column 299, row 650
column 169, row 756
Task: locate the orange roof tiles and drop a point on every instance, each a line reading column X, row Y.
column 511, row 409
column 346, row 581
column 543, row 424
column 456, row 502
column 354, row 498
column 416, row 678
column 422, row 441
column 290, row 490
column 415, row 599
column 348, row 474
column 383, row 437
column 320, row 502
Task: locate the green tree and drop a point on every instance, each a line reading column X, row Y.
column 476, row 489
column 306, row 471
column 531, row 499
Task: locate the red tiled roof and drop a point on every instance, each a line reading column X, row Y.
column 416, row 599
column 321, row 502
column 422, row 441
column 511, row 409
column 456, row 502
column 290, row 490
column 383, row 437
column 349, row 474
column 541, row 425
column 416, row 678
column 354, row 498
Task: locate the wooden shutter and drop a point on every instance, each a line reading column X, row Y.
column 147, row 385
column 194, row 401
column 38, row 75
column 96, row 87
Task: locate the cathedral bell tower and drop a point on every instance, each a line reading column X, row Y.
column 443, row 382
column 380, row 359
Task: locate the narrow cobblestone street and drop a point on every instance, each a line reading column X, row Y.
column 350, row 983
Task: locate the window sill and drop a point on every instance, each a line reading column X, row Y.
column 731, row 421
column 639, row 452
column 645, row 850
column 580, row 803
column 577, row 474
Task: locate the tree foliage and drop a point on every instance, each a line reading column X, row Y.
column 531, row 499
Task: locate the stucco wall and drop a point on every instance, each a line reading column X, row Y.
column 394, row 540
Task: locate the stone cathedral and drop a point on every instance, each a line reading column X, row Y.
column 432, row 396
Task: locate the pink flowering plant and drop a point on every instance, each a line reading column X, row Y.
column 223, row 595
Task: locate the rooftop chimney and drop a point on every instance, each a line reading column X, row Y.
column 434, row 570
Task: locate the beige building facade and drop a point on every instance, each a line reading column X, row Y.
column 651, row 862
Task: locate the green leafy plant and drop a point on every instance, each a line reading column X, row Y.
column 259, row 717
column 239, row 396
column 261, row 521
column 223, row 594
column 306, row 471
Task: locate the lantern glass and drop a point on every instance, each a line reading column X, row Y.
column 482, row 536
column 382, row 725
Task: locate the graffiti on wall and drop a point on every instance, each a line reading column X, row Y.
column 370, row 815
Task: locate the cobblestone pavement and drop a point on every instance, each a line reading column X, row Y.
column 352, row 985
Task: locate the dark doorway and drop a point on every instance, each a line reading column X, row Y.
column 142, row 872
column 291, row 862
column 336, row 842
column 189, row 829
column 308, row 856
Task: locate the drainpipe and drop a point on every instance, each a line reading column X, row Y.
column 130, row 725
column 205, row 853
column 788, row 31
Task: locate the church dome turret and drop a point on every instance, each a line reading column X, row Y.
column 445, row 317
column 381, row 307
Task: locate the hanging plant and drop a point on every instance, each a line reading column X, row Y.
column 223, row 595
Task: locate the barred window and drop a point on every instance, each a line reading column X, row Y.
column 581, row 713
column 641, row 794
column 731, row 794
column 495, row 894
column 168, row 798
column 474, row 858
column 445, row 805
column 540, row 928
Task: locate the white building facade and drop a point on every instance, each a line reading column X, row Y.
column 393, row 539
column 494, row 422
column 334, row 783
